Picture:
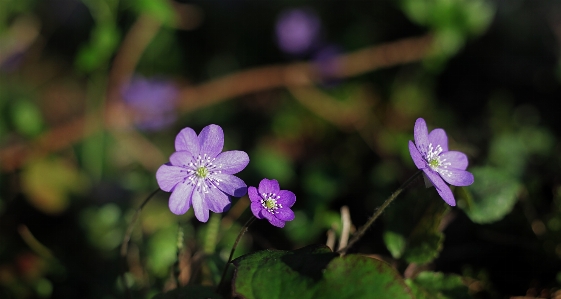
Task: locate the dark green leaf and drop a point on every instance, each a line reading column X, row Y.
column 191, row 292
column 315, row 272
column 432, row 285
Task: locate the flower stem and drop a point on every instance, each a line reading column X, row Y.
column 126, row 239
column 378, row 212
column 242, row 232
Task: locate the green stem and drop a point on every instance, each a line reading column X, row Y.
column 377, row 214
column 126, row 239
column 242, row 232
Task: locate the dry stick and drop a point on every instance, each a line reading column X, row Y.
column 242, row 232
column 378, row 212
column 126, row 239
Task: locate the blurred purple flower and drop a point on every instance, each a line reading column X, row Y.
column 271, row 203
column 298, row 30
column 430, row 154
column 153, row 100
column 198, row 174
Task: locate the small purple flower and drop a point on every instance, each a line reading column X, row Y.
column 271, row 203
column 430, row 154
column 297, row 30
column 153, row 100
column 198, row 174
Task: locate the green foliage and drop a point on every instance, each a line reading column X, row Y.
column 492, row 195
column 315, row 272
column 413, row 233
column 103, row 42
column 433, row 285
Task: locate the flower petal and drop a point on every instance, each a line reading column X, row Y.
column 253, row 194
column 199, row 206
column 457, row 177
column 231, row 184
column 181, row 158
column 168, row 176
column 269, row 186
column 232, row 162
column 421, row 136
column 256, row 208
column 272, row 219
column 438, row 137
column 211, row 140
column 441, row 187
column 187, row 140
column 287, row 199
column 217, row 201
column 416, row 156
column 457, row 160
column 180, row 199
column 285, row 214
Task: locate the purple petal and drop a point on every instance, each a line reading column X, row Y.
column 416, row 156
column 256, row 209
column 287, row 198
column 269, row 186
column 180, row 199
column 285, row 214
column 217, row 201
column 253, row 195
column 211, row 140
column 457, row 160
column 457, row 177
column 187, row 140
column 231, row 185
column 232, row 162
column 441, row 187
column 421, row 136
column 181, row 158
column 199, row 206
column 272, row 219
column 168, row 176
column 438, row 137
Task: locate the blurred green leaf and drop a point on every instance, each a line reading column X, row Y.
column 412, row 228
column 103, row 42
column 26, row 117
column 48, row 184
column 315, row 272
column 490, row 197
column 161, row 10
column 271, row 164
column 191, row 292
column 425, row 241
column 434, row 285
column 162, row 250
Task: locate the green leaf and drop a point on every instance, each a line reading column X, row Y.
column 425, row 241
column 435, row 285
column 412, row 231
column 191, row 292
column 26, row 117
column 490, row 197
column 315, row 272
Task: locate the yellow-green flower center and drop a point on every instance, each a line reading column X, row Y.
column 202, row 172
column 270, row 203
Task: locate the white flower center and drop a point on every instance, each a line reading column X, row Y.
column 436, row 162
column 270, row 202
column 201, row 173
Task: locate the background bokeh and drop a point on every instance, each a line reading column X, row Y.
column 322, row 95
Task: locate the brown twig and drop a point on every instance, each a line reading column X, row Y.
column 221, row 89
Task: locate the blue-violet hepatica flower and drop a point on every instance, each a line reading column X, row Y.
column 430, row 154
column 199, row 174
column 270, row 202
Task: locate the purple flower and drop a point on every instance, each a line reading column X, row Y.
column 430, row 154
column 297, row 30
column 153, row 101
column 271, row 203
column 199, row 175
